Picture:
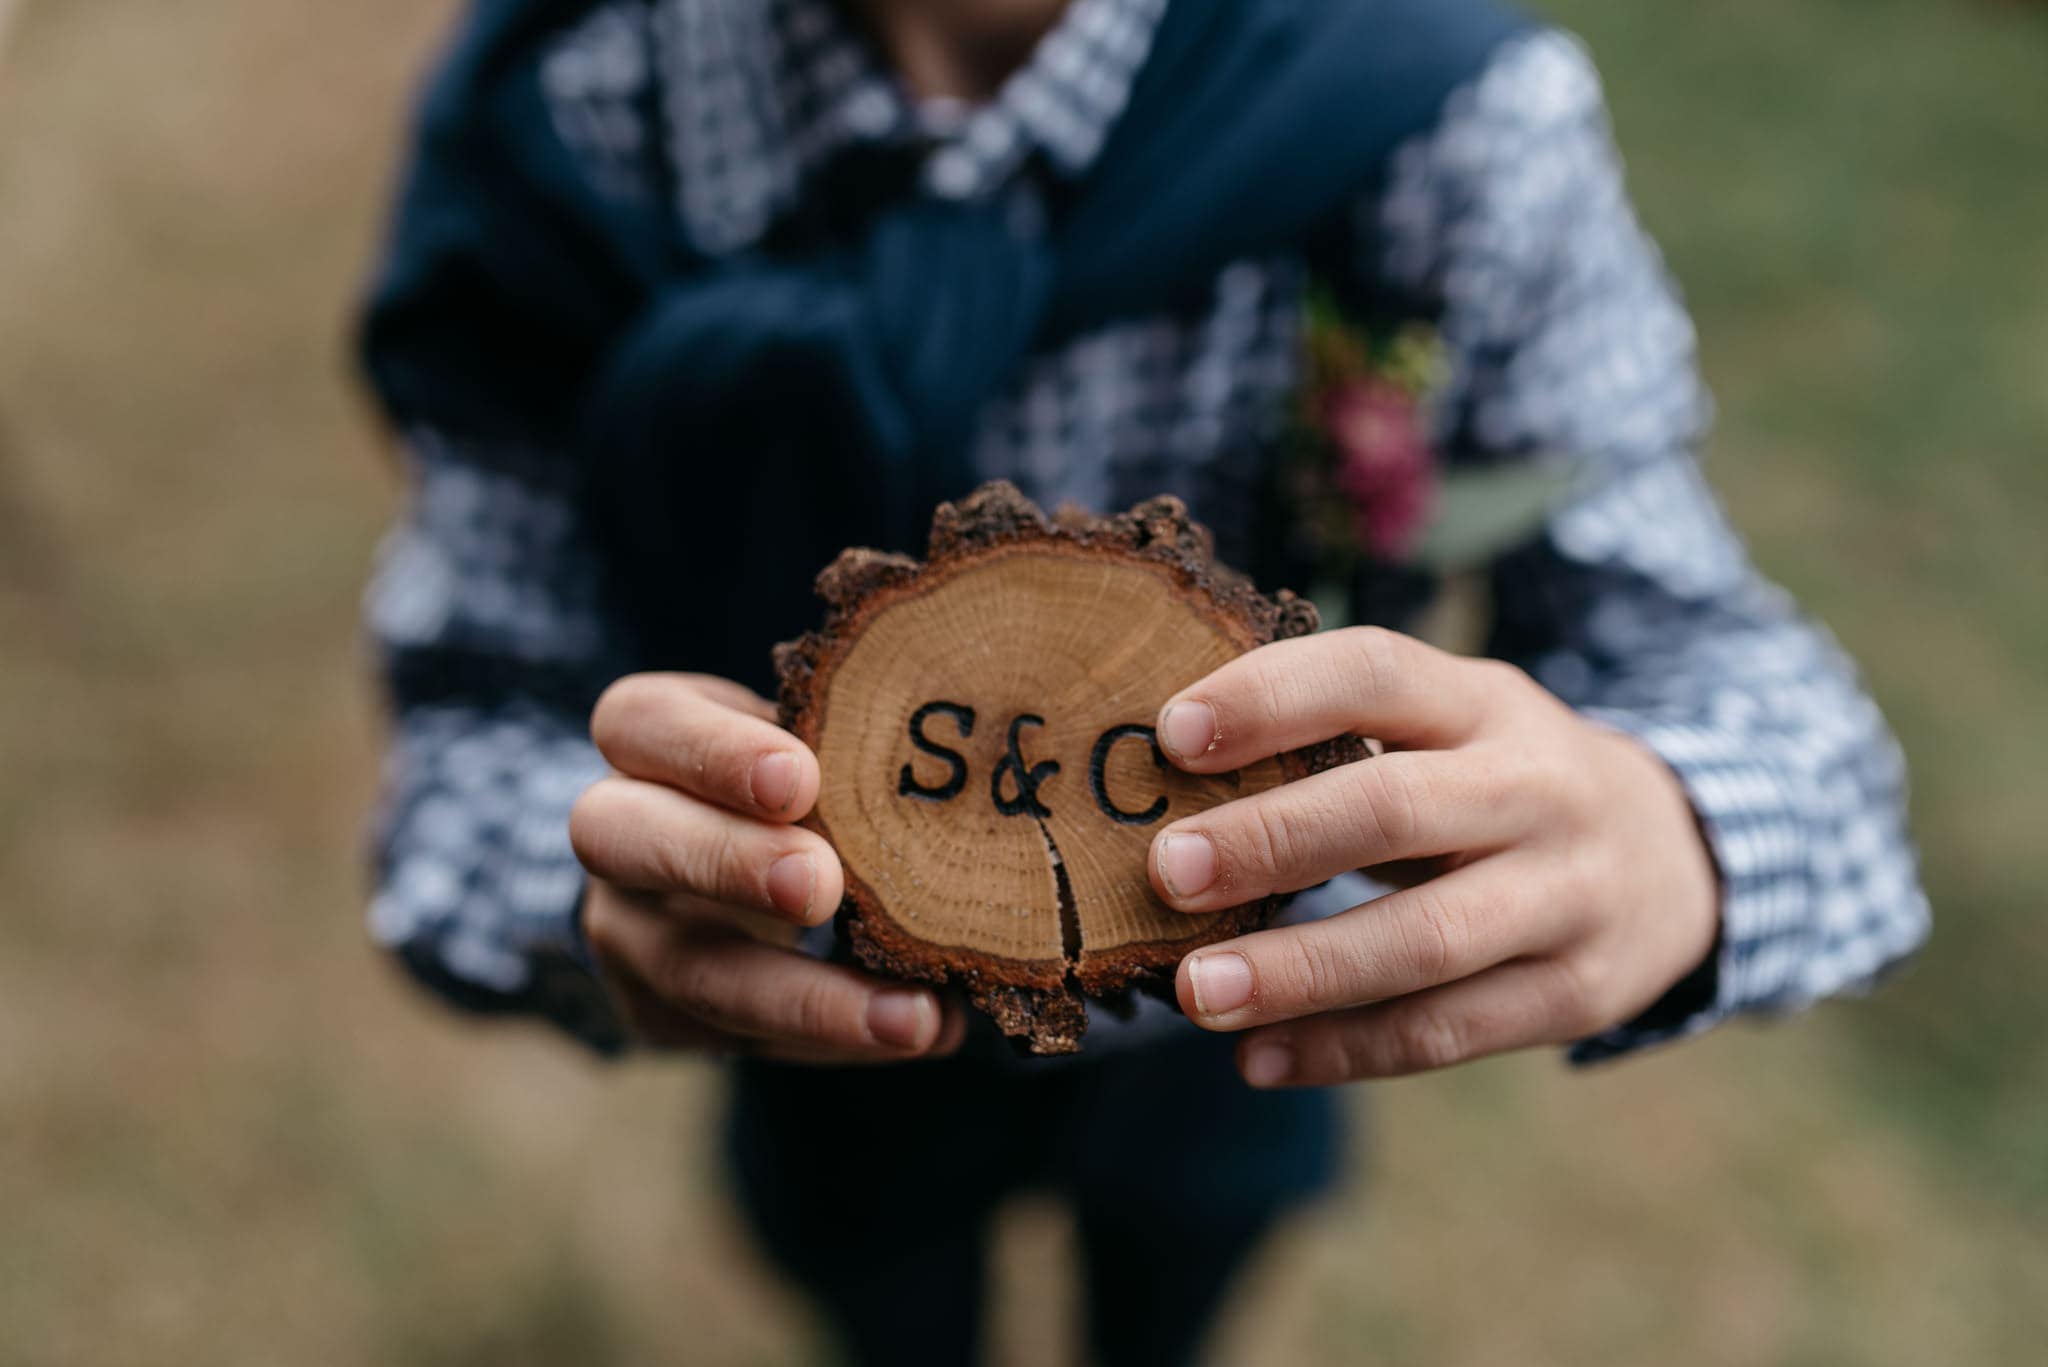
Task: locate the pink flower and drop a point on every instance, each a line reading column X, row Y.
column 1385, row 469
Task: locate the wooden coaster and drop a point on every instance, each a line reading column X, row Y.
column 983, row 721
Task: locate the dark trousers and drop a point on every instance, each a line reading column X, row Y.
column 874, row 1188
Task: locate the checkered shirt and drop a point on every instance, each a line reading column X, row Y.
column 1507, row 225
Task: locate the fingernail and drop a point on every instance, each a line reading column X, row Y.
column 772, row 784
column 901, row 1019
column 1268, row 1064
column 1187, row 863
column 1188, row 729
column 792, row 880
column 1222, row 982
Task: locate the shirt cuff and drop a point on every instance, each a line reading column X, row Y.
column 1750, row 815
column 481, row 894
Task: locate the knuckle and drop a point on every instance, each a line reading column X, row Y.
column 1582, row 992
column 1326, row 1052
column 717, row 764
column 812, row 1010
column 1319, row 971
column 595, row 825
column 1376, row 657
column 713, row 864
column 1513, row 770
column 1509, row 676
column 1396, row 798
column 1268, row 695
column 681, row 976
column 1512, row 694
column 1422, row 1039
column 1439, row 949
column 1498, row 784
column 1607, row 862
column 1440, row 938
column 1348, row 1054
column 1487, row 910
column 663, row 862
column 1581, row 879
column 623, row 709
column 1270, row 841
column 1576, row 787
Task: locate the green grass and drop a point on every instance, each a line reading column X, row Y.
column 1853, row 195
column 228, row 1135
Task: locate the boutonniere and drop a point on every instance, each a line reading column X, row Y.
column 1369, row 485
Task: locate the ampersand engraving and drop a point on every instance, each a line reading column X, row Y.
column 1015, row 783
column 1025, row 777
column 1098, row 775
column 956, row 780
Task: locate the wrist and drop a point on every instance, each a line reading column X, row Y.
column 1680, row 873
column 1742, row 803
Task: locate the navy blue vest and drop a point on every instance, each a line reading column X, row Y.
column 737, row 422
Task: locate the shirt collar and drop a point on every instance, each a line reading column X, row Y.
column 760, row 95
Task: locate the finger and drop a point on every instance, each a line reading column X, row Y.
column 706, row 737
column 952, row 1031
column 654, row 1021
column 1515, row 1006
column 735, row 695
column 773, row 999
column 1448, row 928
column 646, row 836
column 789, row 1001
column 1362, row 680
column 1406, row 805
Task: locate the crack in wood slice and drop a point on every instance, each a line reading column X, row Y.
column 982, row 720
column 1070, row 913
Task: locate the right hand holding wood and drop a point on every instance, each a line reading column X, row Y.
column 701, row 881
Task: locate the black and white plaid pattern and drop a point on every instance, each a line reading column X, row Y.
column 1507, row 224
column 599, row 83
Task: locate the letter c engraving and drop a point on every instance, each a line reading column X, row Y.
column 1098, row 775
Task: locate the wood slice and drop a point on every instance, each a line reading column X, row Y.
column 983, row 723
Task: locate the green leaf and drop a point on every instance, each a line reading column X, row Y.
column 1481, row 513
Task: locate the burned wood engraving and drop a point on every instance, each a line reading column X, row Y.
column 983, row 721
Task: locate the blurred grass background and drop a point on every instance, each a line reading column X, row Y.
column 229, row 1135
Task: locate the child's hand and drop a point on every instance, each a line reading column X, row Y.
column 1572, row 886
column 699, row 873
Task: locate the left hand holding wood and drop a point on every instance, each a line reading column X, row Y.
column 1571, row 885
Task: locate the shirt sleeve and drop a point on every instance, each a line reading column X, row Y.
column 494, row 636
column 488, row 611
column 1636, row 603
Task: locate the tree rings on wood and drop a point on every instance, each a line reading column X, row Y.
column 983, row 723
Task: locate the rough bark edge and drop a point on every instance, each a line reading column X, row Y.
column 1035, row 1001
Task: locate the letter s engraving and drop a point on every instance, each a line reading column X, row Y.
column 956, row 781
